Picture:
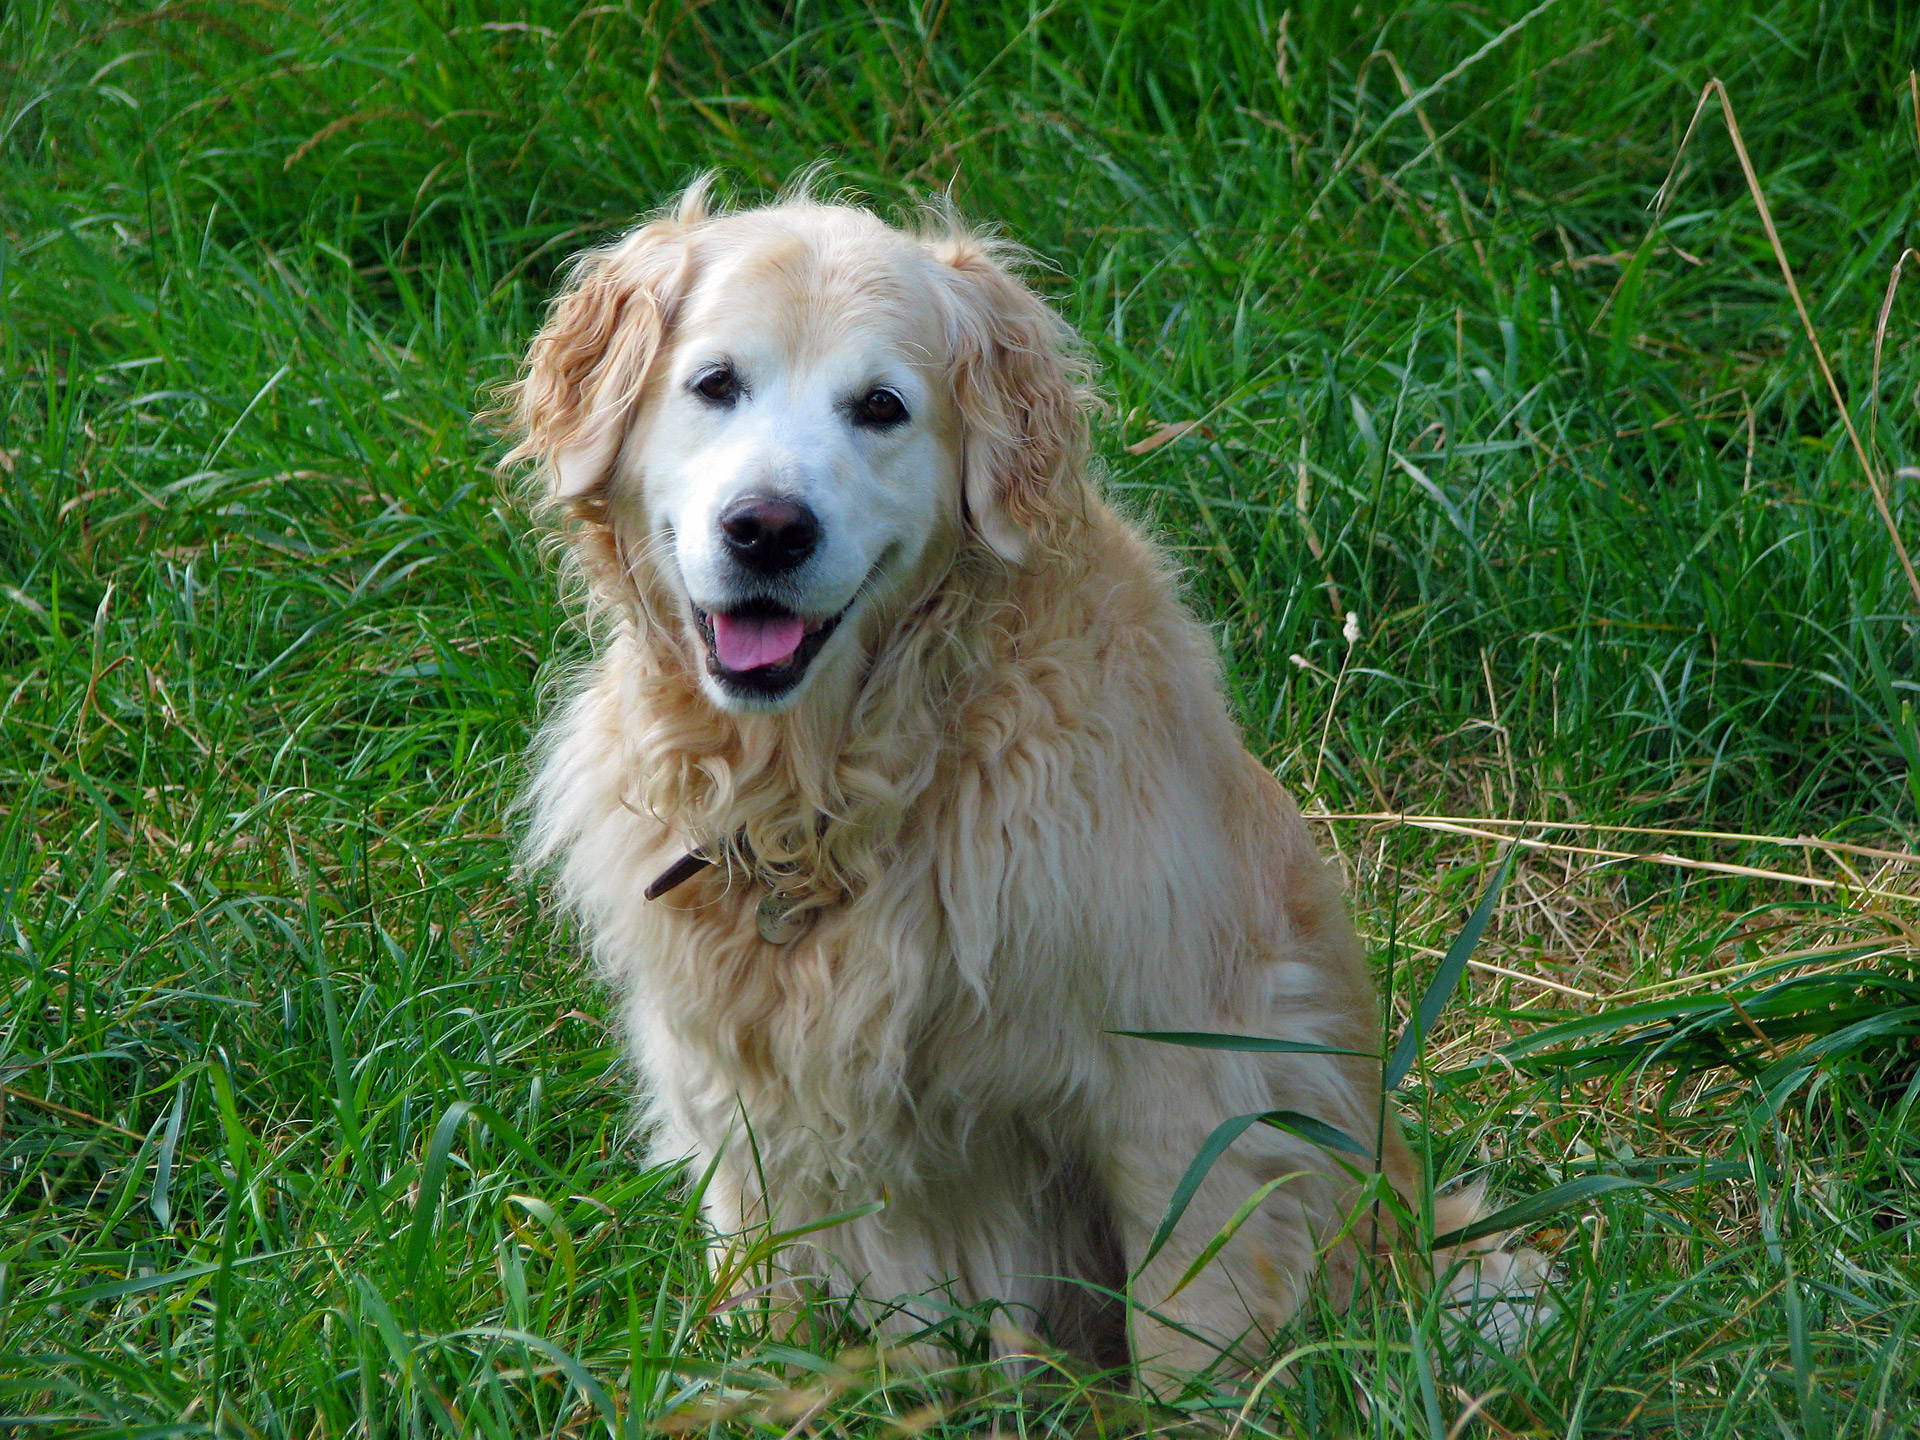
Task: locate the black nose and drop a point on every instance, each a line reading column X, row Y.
column 768, row 534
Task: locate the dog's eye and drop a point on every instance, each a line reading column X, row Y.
column 880, row 408
column 718, row 386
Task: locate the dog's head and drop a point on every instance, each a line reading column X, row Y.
column 794, row 414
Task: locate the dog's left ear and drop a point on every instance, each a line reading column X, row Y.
column 1017, row 381
column 587, row 366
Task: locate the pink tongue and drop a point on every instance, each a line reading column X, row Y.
column 746, row 642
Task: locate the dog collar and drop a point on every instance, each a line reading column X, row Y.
column 678, row 873
column 776, row 917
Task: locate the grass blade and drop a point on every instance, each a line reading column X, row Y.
column 162, row 1202
column 828, row 1222
column 433, row 1173
column 576, row 1373
column 1318, row 1131
column 1446, row 979
column 1258, row 1044
column 1215, row 1145
column 1227, row 1231
column 1535, row 1208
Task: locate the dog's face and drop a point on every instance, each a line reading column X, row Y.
column 789, row 414
column 800, row 455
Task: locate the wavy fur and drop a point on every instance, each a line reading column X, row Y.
column 1019, row 814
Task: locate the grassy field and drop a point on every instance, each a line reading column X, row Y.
column 311, row 1123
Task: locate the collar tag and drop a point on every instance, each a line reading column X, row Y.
column 779, row 920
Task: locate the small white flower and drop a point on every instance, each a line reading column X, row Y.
column 1352, row 628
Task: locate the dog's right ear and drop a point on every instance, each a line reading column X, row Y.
column 587, row 366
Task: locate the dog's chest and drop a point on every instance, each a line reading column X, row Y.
column 870, row 1001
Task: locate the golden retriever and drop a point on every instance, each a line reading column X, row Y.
column 903, row 780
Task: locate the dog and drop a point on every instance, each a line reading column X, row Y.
column 903, row 782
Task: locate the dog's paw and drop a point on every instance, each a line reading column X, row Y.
column 1500, row 1296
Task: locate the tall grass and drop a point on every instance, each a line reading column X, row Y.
column 311, row 1124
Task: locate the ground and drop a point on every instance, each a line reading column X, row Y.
column 1515, row 486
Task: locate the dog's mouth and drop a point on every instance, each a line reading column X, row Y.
column 760, row 648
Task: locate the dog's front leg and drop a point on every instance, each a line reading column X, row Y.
column 894, row 1273
column 1181, row 1324
column 751, row 1278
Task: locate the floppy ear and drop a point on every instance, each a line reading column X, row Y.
column 590, row 360
column 1017, row 383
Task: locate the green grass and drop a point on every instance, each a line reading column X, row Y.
column 312, row 1125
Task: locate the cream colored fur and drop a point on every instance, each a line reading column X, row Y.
column 1010, row 799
